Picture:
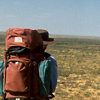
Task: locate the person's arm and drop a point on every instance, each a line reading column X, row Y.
column 53, row 75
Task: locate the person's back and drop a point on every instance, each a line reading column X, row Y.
column 53, row 64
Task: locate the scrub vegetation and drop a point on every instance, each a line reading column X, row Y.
column 78, row 60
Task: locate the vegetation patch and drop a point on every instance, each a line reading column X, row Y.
column 78, row 62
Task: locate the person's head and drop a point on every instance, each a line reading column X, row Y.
column 46, row 39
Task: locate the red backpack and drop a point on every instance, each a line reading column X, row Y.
column 27, row 38
column 21, row 63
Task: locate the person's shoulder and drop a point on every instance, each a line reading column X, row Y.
column 51, row 58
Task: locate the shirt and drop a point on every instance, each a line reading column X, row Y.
column 53, row 75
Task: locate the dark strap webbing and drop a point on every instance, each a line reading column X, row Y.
column 17, row 50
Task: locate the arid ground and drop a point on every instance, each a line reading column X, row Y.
column 78, row 60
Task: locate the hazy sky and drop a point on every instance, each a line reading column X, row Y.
column 69, row 17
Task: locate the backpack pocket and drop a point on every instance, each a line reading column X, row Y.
column 17, row 76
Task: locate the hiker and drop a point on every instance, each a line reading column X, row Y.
column 30, row 73
column 47, row 69
column 48, row 41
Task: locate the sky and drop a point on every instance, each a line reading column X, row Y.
column 59, row 17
